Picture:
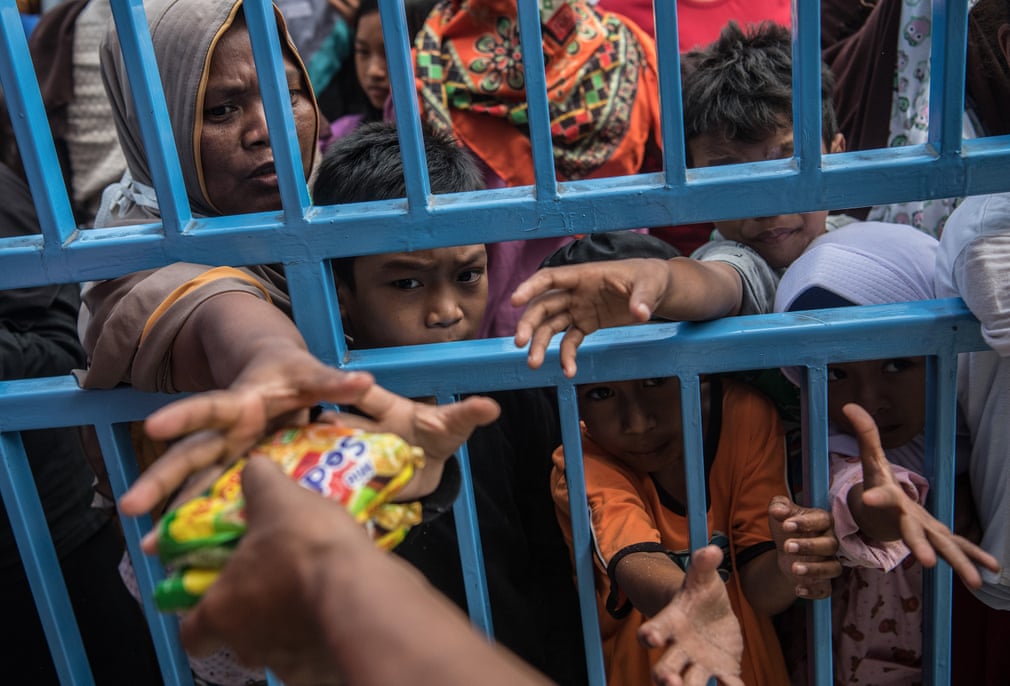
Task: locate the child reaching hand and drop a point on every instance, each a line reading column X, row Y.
column 737, row 108
column 634, row 471
column 877, row 414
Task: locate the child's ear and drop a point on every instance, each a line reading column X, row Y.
column 838, row 143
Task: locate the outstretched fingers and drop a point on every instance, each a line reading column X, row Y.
column 876, row 468
column 698, row 627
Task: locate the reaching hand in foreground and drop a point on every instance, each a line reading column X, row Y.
column 330, row 607
column 214, row 428
column 581, row 298
column 885, row 511
column 806, row 544
column 699, row 628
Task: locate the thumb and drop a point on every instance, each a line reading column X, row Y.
column 781, row 508
column 475, row 410
column 266, row 488
column 880, row 498
column 704, row 567
column 642, row 302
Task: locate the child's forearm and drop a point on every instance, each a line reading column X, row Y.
column 766, row 588
column 702, row 291
column 650, row 580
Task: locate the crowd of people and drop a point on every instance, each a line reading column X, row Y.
column 330, row 607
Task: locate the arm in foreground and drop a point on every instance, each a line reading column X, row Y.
column 885, row 511
column 265, row 378
column 578, row 299
column 332, row 608
column 696, row 625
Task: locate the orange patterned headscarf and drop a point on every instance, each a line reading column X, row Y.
column 602, row 86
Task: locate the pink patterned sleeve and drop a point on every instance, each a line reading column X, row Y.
column 855, row 549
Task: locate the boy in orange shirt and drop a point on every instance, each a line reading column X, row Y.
column 633, row 456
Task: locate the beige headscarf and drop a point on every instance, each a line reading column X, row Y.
column 184, row 34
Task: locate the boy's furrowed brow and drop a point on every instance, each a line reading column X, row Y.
column 407, row 261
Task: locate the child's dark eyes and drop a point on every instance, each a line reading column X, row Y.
column 599, row 393
column 836, row 374
column 898, row 365
column 407, row 284
column 651, row 383
column 470, row 276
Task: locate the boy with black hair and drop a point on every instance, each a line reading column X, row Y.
column 439, row 295
column 737, row 108
column 633, row 452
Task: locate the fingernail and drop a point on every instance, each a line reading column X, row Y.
column 789, row 526
column 799, row 569
column 792, row 547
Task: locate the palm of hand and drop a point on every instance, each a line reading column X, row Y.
column 702, row 634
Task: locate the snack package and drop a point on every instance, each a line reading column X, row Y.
column 362, row 471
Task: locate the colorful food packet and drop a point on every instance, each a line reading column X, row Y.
column 362, row 471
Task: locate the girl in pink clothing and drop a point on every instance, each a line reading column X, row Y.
column 877, row 417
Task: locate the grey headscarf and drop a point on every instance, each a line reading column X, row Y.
column 184, row 34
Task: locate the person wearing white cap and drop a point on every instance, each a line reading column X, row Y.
column 972, row 264
column 877, row 416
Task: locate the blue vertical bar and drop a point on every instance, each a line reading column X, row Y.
column 694, row 460
column 941, row 420
column 277, row 103
column 408, row 117
column 31, row 128
column 807, row 134
column 814, row 402
column 582, row 543
column 121, row 464
column 314, row 306
column 28, row 521
column 671, row 101
column 531, row 40
column 471, row 554
column 947, row 76
column 156, row 128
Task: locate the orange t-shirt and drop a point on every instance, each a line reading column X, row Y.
column 628, row 510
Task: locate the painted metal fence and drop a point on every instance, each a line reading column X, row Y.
column 303, row 237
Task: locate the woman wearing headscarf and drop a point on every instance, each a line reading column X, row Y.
column 603, row 99
column 189, row 327
column 135, row 319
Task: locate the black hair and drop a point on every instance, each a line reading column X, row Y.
column 366, row 165
column 416, row 11
column 740, row 86
column 611, row 245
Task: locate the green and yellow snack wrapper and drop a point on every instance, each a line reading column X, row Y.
column 363, row 471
